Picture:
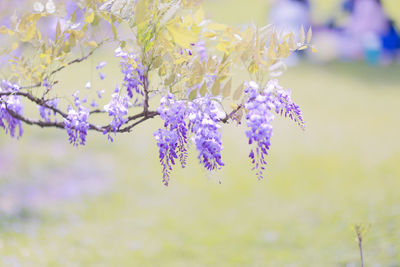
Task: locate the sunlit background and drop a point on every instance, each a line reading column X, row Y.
column 105, row 205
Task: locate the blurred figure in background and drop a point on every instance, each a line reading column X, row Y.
column 367, row 33
column 367, row 24
column 391, row 44
column 289, row 16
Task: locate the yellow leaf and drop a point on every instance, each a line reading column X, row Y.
column 302, row 35
column 215, row 90
column 114, row 31
column 303, row 48
column 3, row 29
column 92, row 43
column 226, row 91
column 58, row 31
column 198, row 16
column 217, row 26
column 193, row 95
column 203, row 89
column 15, row 46
column 141, row 11
column 223, row 47
column 284, row 50
column 188, row 21
column 89, row 18
column 314, row 50
column 29, row 33
column 271, row 53
column 238, row 92
column 253, row 68
column 181, row 35
column 234, row 106
column 292, row 42
column 162, row 71
column 309, row 35
column 181, row 60
column 209, row 34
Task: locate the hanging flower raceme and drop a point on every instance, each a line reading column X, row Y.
column 260, row 105
column 259, row 119
column 172, row 140
column 133, row 71
column 201, row 50
column 204, row 118
column 284, row 103
column 45, row 112
column 118, row 109
column 10, row 104
column 76, row 125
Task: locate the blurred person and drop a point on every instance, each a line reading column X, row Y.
column 289, row 16
column 362, row 30
column 367, row 23
column 391, row 44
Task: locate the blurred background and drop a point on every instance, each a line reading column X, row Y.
column 104, row 204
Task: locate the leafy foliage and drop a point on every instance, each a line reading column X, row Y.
column 172, row 50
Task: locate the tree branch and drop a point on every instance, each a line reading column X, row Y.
column 77, row 60
column 146, row 94
column 230, row 115
column 150, row 115
column 40, row 102
column 42, row 124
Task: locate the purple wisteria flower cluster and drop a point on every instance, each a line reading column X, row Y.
column 201, row 117
column 10, row 104
column 76, row 122
column 287, row 107
column 117, row 109
column 172, row 139
column 45, row 112
column 204, row 118
column 133, row 71
column 260, row 105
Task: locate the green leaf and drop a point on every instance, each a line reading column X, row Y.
column 89, row 18
column 58, row 31
column 170, row 79
column 181, row 34
column 216, row 89
column 193, row 95
column 226, row 91
column 73, row 17
column 238, row 92
column 122, row 44
column 302, row 35
column 114, row 31
column 203, row 89
column 141, row 11
column 309, row 35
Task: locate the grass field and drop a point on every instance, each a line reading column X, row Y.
column 105, row 205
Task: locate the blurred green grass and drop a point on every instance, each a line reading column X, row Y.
column 344, row 169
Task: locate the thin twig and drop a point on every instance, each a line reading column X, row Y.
column 150, row 115
column 230, row 115
column 360, row 231
column 359, row 237
column 40, row 102
column 77, row 60
column 146, row 94
column 42, row 124
column 102, row 129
